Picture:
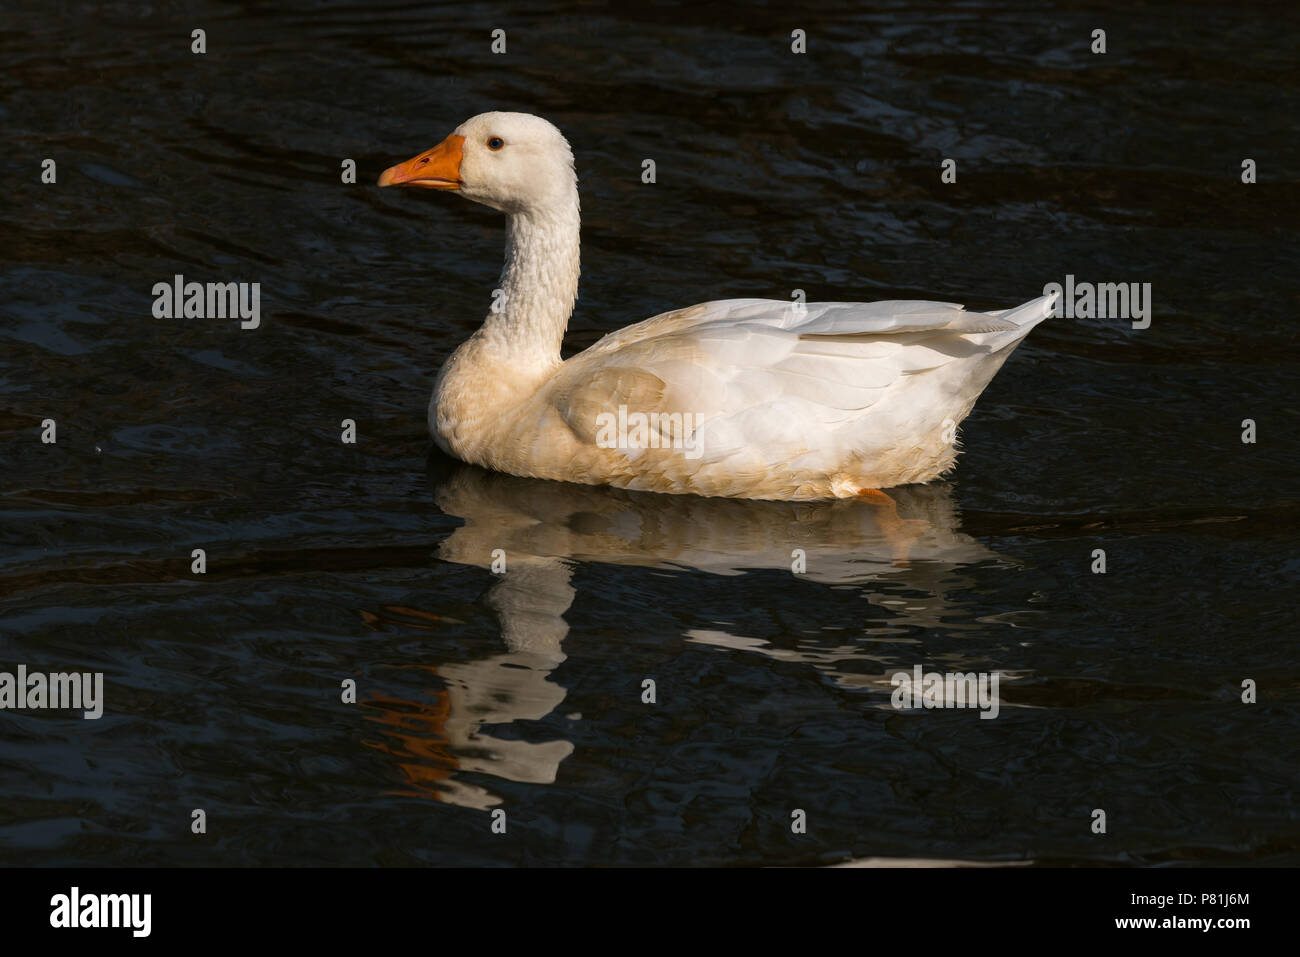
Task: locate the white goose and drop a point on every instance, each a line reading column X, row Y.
column 747, row 398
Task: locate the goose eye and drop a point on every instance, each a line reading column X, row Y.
column 495, row 143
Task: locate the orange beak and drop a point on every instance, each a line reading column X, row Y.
column 438, row 168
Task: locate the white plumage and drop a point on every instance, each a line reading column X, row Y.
column 749, row 398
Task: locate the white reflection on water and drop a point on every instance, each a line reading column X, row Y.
column 545, row 528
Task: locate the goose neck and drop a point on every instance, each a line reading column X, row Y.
column 538, row 286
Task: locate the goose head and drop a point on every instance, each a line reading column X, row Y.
column 514, row 162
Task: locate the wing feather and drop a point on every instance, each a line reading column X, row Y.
column 771, row 374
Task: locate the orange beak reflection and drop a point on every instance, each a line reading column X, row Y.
column 438, row 168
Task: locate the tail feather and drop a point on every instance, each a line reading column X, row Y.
column 1031, row 313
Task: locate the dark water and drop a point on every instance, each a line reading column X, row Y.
column 329, row 562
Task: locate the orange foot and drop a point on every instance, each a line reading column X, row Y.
column 900, row 533
column 877, row 497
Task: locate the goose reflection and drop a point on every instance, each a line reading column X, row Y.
column 543, row 530
column 550, row 524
